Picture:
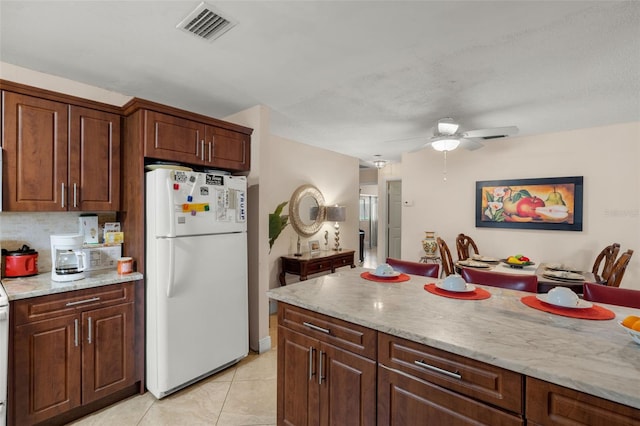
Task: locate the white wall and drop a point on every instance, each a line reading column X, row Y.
column 608, row 158
column 335, row 175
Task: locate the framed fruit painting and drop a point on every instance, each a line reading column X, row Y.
column 540, row 203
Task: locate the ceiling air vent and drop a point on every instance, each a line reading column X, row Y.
column 205, row 22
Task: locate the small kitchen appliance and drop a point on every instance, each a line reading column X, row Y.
column 22, row 262
column 67, row 257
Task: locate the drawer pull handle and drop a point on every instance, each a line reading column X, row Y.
column 315, row 327
column 455, row 374
column 80, row 302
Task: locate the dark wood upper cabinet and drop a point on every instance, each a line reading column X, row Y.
column 59, row 156
column 94, row 154
column 172, row 138
column 186, row 140
column 35, row 156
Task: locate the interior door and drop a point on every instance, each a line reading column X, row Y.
column 394, row 218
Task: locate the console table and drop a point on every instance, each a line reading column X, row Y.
column 307, row 264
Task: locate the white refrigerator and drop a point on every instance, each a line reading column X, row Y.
column 196, row 276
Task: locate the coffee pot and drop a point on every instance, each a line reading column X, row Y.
column 67, row 258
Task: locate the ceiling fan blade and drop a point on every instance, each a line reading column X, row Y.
column 470, row 144
column 496, row 132
column 421, row 147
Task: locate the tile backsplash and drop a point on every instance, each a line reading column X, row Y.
column 34, row 229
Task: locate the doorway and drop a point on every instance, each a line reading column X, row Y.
column 369, row 226
column 394, row 218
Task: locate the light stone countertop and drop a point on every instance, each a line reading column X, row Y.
column 595, row 357
column 41, row 284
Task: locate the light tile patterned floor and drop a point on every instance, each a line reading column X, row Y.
column 244, row 394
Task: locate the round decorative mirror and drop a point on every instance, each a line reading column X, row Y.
column 306, row 210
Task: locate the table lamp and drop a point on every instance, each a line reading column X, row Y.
column 336, row 214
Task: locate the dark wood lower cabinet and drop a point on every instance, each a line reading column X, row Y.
column 332, row 372
column 321, row 383
column 47, row 374
column 107, row 357
column 73, row 352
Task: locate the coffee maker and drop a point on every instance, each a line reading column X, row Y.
column 68, row 260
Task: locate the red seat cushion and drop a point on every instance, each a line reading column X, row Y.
column 611, row 295
column 498, row 279
column 414, row 268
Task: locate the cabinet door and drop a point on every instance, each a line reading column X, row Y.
column 173, row 139
column 108, row 363
column 408, row 401
column 297, row 378
column 549, row 405
column 230, row 150
column 47, row 375
column 35, row 154
column 348, row 389
column 94, row 158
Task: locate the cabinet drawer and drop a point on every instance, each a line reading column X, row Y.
column 408, row 401
column 343, row 334
column 45, row 307
column 343, row 261
column 476, row 379
column 319, row 266
column 549, row 404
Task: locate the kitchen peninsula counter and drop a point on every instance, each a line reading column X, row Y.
column 42, row 285
column 595, row 357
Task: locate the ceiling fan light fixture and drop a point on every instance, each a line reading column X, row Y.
column 445, row 144
column 447, row 126
column 379, row 164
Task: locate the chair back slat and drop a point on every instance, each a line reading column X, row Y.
column 619, row 268
column 605, row 261
column 463, row 245
column 445, row 255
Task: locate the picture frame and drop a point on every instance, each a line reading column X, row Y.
column 553, row 203
column 314, row 246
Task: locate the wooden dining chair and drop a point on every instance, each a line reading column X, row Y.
column 596, row 292
column 445, row 255
column 605, row 261
column 498, row 279
column 415, row 268
column 617, row 272
column 463, row 244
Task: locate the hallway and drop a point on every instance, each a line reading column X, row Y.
column 370, row 258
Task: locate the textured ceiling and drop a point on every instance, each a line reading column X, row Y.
column 358, row 77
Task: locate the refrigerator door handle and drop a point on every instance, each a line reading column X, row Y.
column 172, row 259
column 172, row 210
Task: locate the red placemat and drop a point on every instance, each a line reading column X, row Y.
column 593, row 313
column 477, row 294
column 400, row 278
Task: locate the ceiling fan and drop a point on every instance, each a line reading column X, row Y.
column 447, row 136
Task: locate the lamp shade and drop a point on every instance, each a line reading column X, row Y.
column 336, row 213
